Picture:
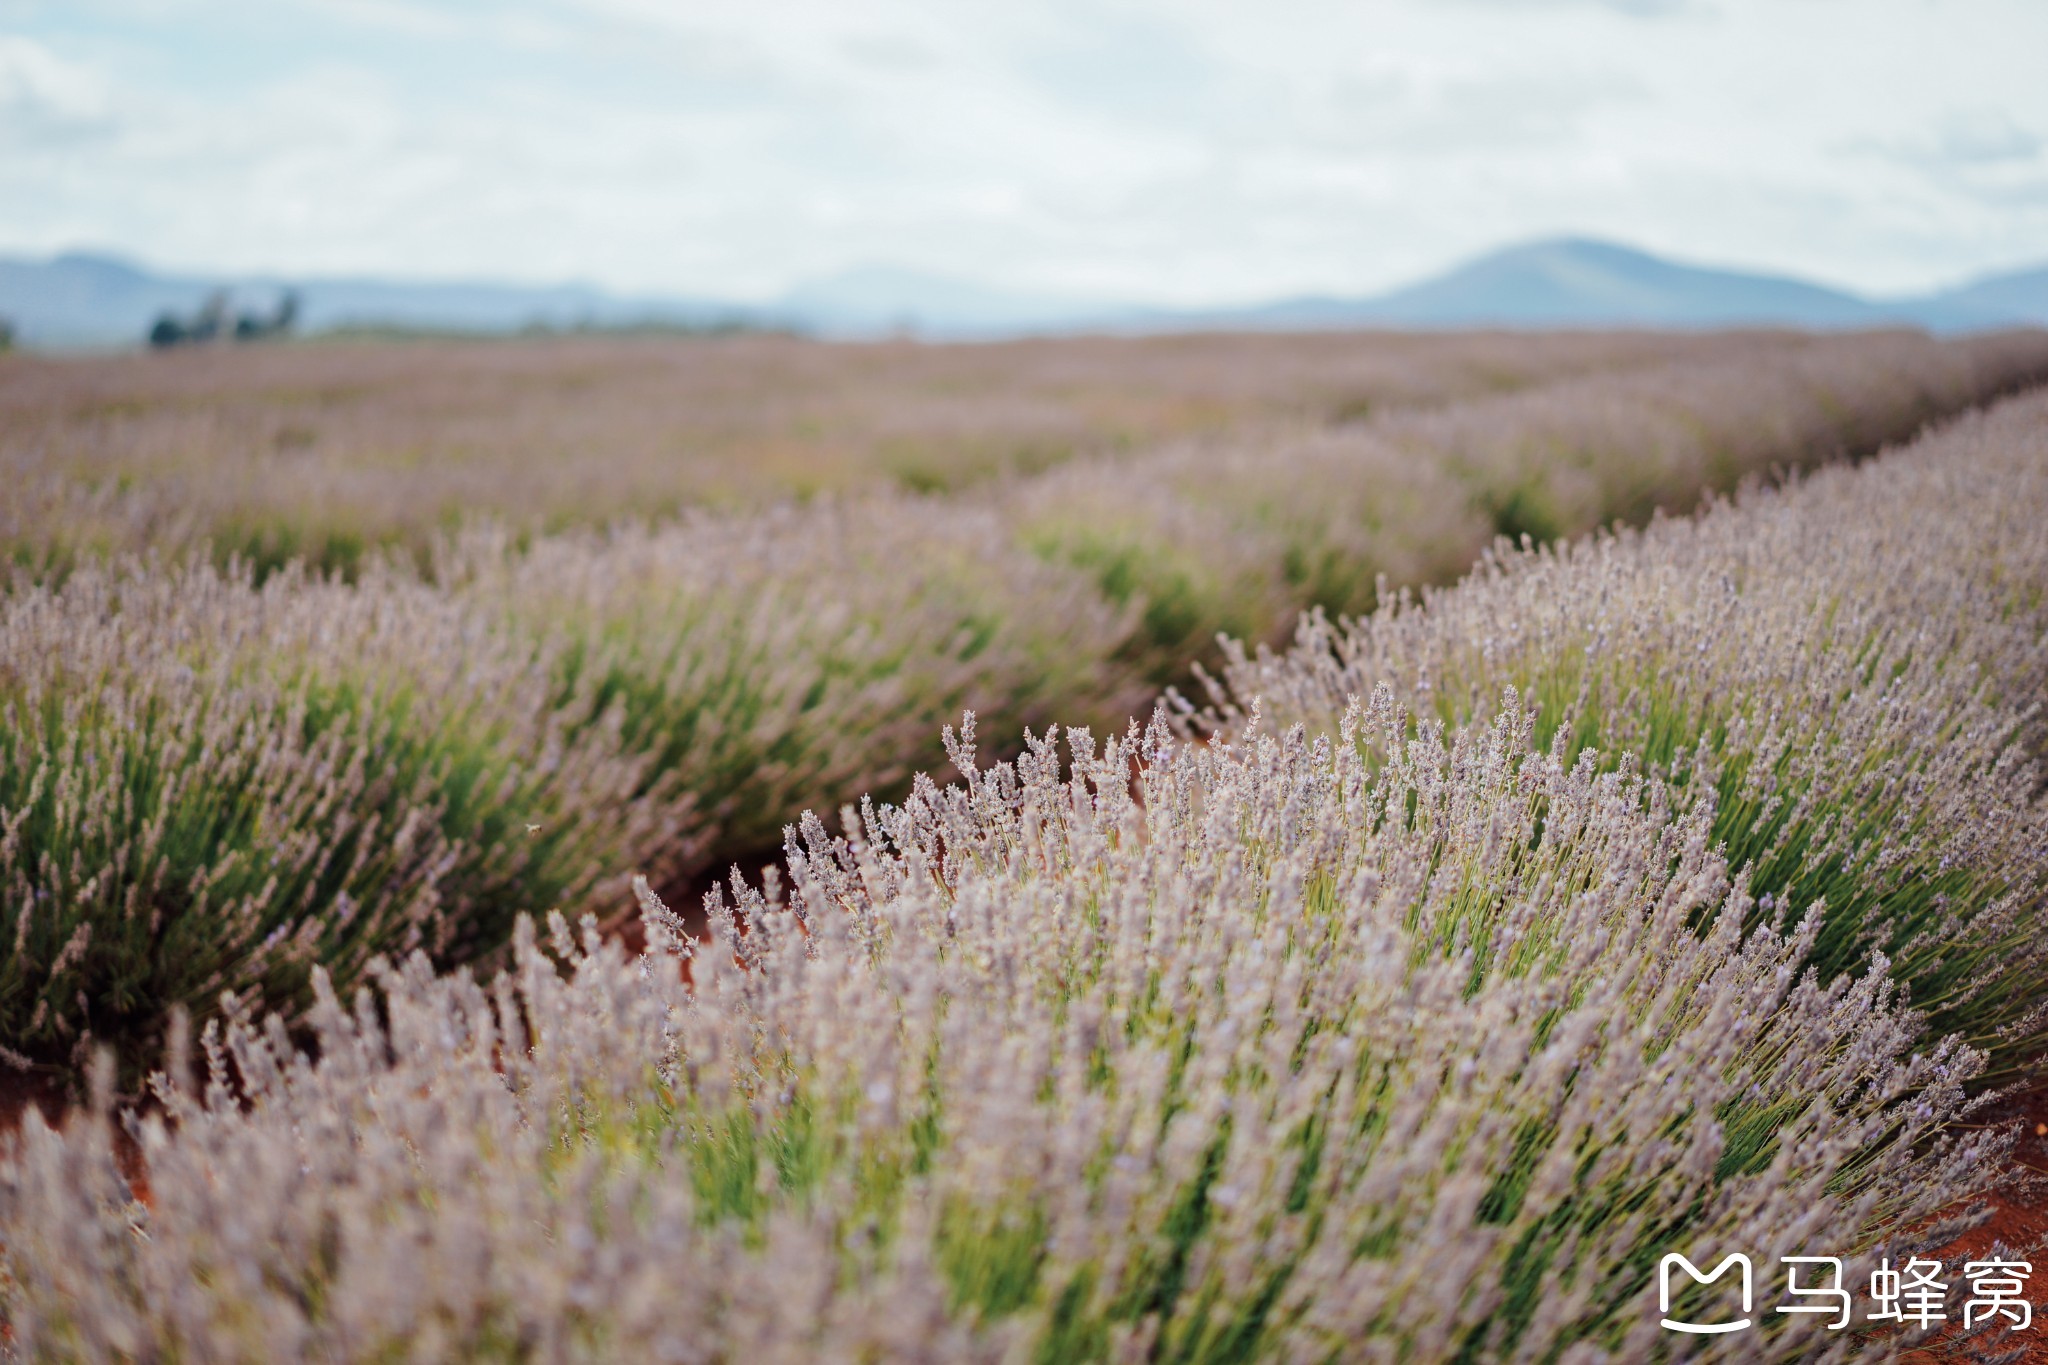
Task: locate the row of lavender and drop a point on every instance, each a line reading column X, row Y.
column 210, row 785
column 324, row 452
column 1419, row 1030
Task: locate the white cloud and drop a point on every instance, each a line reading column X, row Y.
column 1980, row 137
column 1185, row 150
column 43, row 96
column 1972, row 154
column 1634, row 9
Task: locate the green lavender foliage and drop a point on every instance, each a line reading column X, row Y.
column 418, row 752
column 1856, row 665
column 1417, row 1035
column 1238, row 537
column 207, row 787
column 740, row 653
column 329, row 453
column 1281, row 1053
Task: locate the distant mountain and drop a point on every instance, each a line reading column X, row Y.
column 89, row 300
column 82, row 300
column 1577, row 283
column 1996, row 300
column 1566, row 282
column 86, row 300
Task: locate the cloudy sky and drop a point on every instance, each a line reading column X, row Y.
column 1176, row 151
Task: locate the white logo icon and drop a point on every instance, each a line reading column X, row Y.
column 1664, row 1292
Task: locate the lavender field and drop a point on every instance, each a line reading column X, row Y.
column 1211, row 848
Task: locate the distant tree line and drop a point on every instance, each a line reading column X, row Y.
column 214, row 322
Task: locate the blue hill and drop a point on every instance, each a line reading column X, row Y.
column 82, row 299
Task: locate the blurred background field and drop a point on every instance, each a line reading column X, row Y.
column 321, row 650
column 321, row 450
column 1717, row 930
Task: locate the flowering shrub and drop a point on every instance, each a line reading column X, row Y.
column 1855, row 664
column 1239, row 536
column 207, row 787
column 1399, row 1034
column 1284, row 1053
column 326, row 452
column 209, row 784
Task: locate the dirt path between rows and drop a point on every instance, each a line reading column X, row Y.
column 2019, row 1224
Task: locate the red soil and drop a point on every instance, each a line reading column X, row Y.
column 2019, row 1222
column 19, row 1090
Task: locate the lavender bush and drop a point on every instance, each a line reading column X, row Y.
column 1856, row 665
column 1239, row 536
column 1285, row 1053
column 207, row 787
column 325, row 452
column 209, row 784
column 1396, row 1035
